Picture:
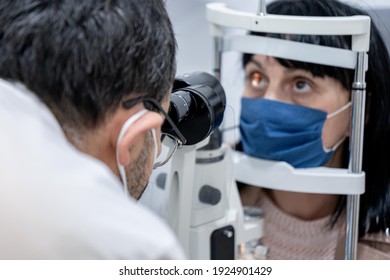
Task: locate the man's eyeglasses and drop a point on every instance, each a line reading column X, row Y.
column 170, row 143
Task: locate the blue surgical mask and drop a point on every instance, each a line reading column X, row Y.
column 280, row 131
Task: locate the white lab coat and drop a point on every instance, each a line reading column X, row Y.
column 59, row 203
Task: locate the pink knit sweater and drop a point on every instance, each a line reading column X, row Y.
column 288, row 237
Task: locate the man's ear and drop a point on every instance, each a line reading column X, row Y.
column 145, row 123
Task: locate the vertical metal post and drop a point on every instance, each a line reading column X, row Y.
column 262, row 8
column 356, row 152
column 218, row 42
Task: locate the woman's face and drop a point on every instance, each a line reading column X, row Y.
column 266, row 78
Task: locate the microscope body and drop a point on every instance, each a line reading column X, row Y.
column 202, row 204
column 196, row 193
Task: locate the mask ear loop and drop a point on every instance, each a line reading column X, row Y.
column 155, row 143
column 338, row 111
column 334, row 148
column 125, row 127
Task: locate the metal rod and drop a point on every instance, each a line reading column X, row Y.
column 356, row 151
column 353, row 203
column 218, row 41
column 262, row 8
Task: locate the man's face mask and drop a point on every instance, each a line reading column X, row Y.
column 280, row 131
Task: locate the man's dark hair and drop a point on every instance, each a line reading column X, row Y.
column 82, row 57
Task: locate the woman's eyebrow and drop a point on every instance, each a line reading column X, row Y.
column 260, row 66
column 257, row 63
column 289, row 70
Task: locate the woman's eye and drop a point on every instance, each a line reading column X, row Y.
column 257, row 80
column 302, row 86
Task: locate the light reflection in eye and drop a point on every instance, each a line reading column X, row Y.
column 257, row 80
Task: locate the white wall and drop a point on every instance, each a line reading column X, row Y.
column 195, row 47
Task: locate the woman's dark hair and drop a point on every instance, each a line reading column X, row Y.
column 375, row 202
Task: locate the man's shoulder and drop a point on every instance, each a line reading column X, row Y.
column 88, row 217
column 145, row 234
column 120, row 228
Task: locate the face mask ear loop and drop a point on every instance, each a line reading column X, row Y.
column 122, row 173
column 125, row 127
column 334, row 148
column 155, row 143
column 338, row 111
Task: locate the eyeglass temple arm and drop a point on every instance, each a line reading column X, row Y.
column 173, row 125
